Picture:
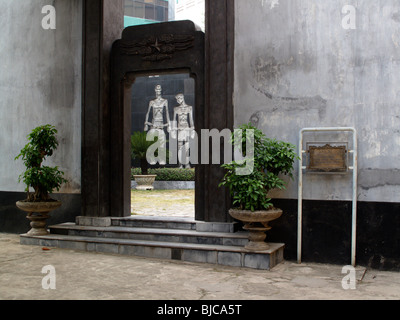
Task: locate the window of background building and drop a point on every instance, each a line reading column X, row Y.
column 152, row 11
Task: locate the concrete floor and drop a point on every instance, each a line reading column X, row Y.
column 91, row 276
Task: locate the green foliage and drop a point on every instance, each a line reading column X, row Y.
column 42, row 143
column 44, row 180
column 140, row 145
column 248, row 191
column 271, row 159
column 169, row 174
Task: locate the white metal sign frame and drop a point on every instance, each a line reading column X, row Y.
column 354, row 167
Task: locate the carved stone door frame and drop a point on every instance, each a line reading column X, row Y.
column 164, row 48
column 102, row 25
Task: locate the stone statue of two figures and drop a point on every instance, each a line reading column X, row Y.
column 181, row 127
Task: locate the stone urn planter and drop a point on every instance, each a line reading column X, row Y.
column 256, row 222
column 38, row 213
column 42, row 142
column 251, row 179
column 145, row 182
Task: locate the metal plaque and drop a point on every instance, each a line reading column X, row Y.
column 327, row 159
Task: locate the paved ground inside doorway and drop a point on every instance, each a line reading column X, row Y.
column 163, row 203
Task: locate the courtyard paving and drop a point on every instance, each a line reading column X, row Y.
column 93, row 276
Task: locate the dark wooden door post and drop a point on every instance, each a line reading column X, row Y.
column 219, row 94
column 102, row 25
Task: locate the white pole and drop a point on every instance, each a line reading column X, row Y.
column 300, row 201
column 355, row 182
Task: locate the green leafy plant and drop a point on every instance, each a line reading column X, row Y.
column 140, row 145
column 43, row 179
column 271, row 159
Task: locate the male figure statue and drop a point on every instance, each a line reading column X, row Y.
column 159, row 104
column 184, row 130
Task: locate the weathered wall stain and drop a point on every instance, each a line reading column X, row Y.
column 290, row 104
column 267, row 69
column 376, row 178
column 58, row 89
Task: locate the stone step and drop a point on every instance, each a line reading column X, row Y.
column 180, row 223
column 153, row 234
column 199, row 253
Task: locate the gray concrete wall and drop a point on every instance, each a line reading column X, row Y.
column 40, row 83
column 296, row 67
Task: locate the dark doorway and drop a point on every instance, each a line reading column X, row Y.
column 174, row 189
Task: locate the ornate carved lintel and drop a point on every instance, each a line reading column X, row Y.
column 157, row 48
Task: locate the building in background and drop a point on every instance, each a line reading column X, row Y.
column 191, row 10
column 148, row 11
column 139, row 12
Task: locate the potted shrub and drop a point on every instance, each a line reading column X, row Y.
column 251, row 203
column 43, row 179
column 140, row 145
